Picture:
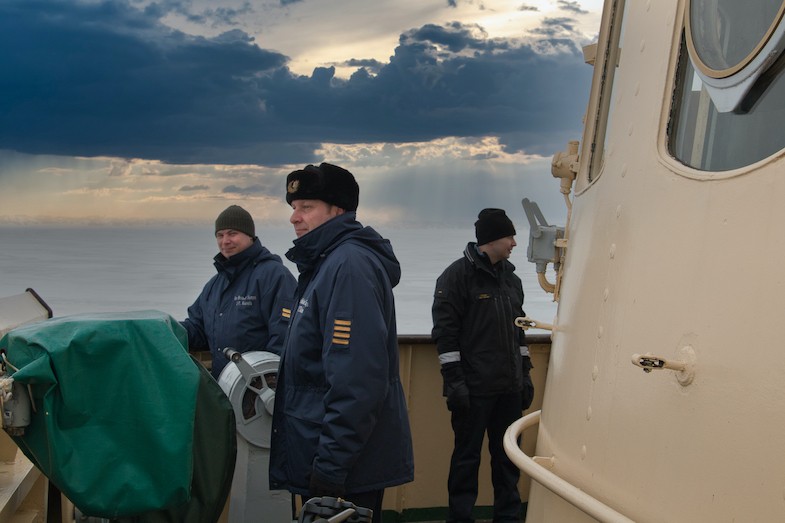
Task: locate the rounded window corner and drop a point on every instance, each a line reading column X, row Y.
column 731, row 44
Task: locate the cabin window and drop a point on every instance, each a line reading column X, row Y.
column 728, row 107
column 603, row 112
column 726, row 35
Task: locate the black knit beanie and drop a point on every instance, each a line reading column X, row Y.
column 491, row 225
column 237, row 218
column 329, row 183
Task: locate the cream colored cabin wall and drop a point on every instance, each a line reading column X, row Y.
column 621, row 263
column 656, row 262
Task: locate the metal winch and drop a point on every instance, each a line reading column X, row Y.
column 249, row 381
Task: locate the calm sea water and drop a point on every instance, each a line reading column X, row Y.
column 113, row 269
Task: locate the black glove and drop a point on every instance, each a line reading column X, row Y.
column 455, row 389
column 527, row 392
column 320, row 487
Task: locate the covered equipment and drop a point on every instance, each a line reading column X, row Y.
column 124, row 421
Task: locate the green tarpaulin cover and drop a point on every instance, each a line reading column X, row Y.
column 127, row 424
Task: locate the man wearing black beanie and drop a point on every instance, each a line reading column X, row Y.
column 484, row 363
column 245, row 305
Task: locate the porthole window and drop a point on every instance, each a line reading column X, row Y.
column 726, row 35
column 704, row 138
column 728, row 107
column 731, row 44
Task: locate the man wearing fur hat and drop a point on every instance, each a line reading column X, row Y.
column 244, row 305
column 340, row 423
column 484, row 362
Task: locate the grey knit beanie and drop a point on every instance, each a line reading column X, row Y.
column 237, row 218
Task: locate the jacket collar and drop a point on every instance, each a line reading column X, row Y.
column 234, row 264
column 480, row 260
column 312, row 247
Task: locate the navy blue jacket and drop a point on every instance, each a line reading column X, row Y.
column 242, row 306
column 340, row 410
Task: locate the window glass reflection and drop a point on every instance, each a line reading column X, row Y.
column 705, row 139
column 726, row 32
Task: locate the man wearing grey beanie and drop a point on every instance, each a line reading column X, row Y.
column 246, row 304
column 484, row 362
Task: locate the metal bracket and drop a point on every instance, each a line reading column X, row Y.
column 526, row 323
column 684, row 367
column 543, row 237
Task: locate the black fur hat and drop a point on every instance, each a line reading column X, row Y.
column 491, row 225
column 329, row 183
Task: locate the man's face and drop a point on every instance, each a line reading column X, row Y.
column 307, row 215
column 500, row 249
column 231, row 242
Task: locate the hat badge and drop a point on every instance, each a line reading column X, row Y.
column 292, row 187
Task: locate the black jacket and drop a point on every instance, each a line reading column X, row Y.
column 474, row 311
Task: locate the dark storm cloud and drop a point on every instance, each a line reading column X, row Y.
column 455, row 37
column 263, row 183
column 552, row 27
column 107, row 79
column 251, row 189
column 526, row 7
column 368, row 64
column 572, row 7
column 208, row 16
column 225, row 15
column 482, row 87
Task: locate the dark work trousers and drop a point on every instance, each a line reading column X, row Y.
column 371, row 500
column 492, row 414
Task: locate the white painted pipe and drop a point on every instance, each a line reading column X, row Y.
column 551, row 481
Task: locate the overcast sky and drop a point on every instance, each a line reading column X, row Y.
column 136, row 110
